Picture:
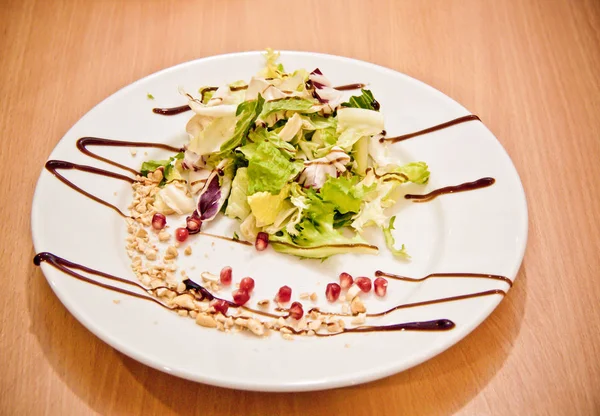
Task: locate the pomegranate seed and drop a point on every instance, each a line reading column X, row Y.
column 226, row 276
column 364, row 283
column 220, row 305
column 193, row 224
column 380, row 285
column 333, row 292
column 240, row 297
column 284, row 294
column 247, row 284
column 345, row 280
column 262, row 241
column 159, row 221
column 296, row 310
column 181, row 234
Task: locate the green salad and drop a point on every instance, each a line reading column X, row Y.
column 290, row 157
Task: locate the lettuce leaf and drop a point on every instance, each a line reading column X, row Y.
column 416, row 172
column 285, row 104
column 261, row 134
column 237, row 204
column 170, row 172
column 266, row 206
column 272, row 69
column 365, row 100
column 268, row 169
column 343, row 193
column 390, row 241
column 213, row 136
column 354, row 123
column 246, row 113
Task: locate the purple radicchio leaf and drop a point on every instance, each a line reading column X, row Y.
column 208, row 203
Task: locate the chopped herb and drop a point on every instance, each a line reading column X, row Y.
column 150, row 96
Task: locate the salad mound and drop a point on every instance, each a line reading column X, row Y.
column 285, row 154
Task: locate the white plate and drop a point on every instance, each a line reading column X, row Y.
column 482, row 231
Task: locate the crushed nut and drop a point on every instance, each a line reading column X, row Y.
column 352, row 292
column 313, row 297
column 150, row 254
column 171, row 253
column 164, row 236
column 359, row 319
column 263, row 303
column 185, row 301
column 357, row 306
column 206, row 320
column 188, row 250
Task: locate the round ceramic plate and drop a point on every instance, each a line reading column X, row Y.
column 482, row 231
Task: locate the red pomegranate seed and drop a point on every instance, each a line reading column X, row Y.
column 159, row 221
column 380, row 285
column 333, row 292
column 364, row 283
column 225, row 276
column 296, row 310
column 193, row 224
column 284, row 294
column 220, row 305
column 345, row 280
column 240, row 297
column 247, row 284
column 262, row 241
column 181, row 234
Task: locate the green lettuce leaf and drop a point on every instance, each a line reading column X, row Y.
column 364, row 100
column 213, row 136
column 285, row 104
column 268, row 169
column 416, row 172
column 266, row 206
column 390, row 241
column 170, row 172
column 316, row 236
column 354, row 123
column 343, row 193
column 237, row 204
column 246, row 113
column 263, row 135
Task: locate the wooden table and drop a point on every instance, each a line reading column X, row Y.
column 529, row 68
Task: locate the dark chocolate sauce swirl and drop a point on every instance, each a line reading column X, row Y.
column 171, row 111
column 417, row 304
column 68, row 267
column 435, row 325
column 54, row 166
column 198, row 291
column 350, row 87
column 467, row 186
column 505, row 279
column 84, row 142
column 437, row 127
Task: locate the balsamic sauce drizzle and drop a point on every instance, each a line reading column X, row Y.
column 97, row 141
column 467, row 186
column 53, row 166
column 471, row 117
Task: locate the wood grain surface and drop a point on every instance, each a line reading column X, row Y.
column 529, row 68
